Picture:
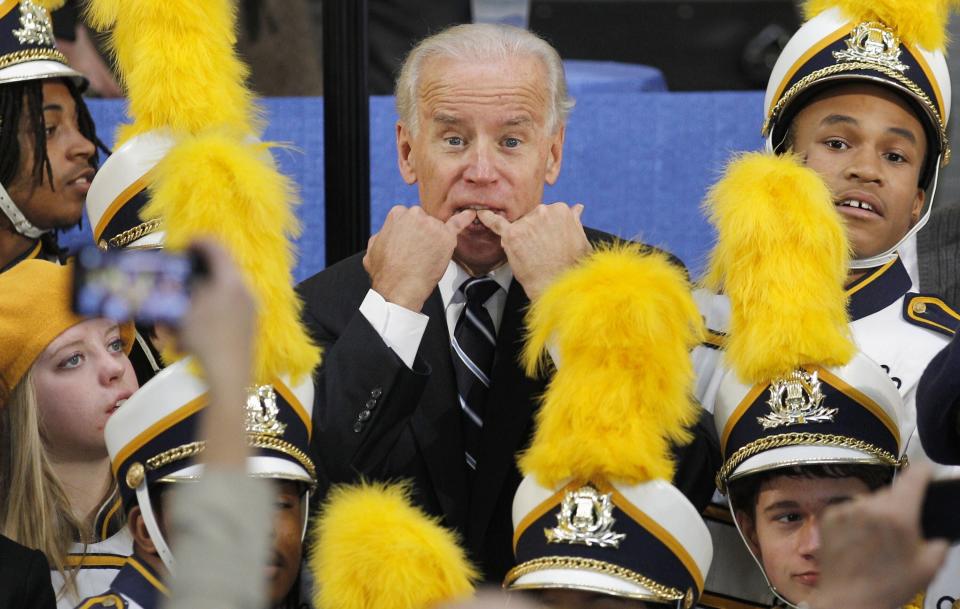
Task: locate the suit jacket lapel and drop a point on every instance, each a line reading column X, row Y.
column 436, row 422
column 508, row 417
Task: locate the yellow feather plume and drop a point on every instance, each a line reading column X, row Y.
column 178, row 63
column 213, row 185
column 922, row 22
column 782, row 258
column 624, row 323
column 374, row 550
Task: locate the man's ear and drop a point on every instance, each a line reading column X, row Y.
column 141, row 536
column 405, row 157
column 917, row 208
column 749, row 530
column 555, row 155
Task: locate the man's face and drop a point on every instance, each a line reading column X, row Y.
column 869, row 147
column 482, row 143
column 284, row 560
column 60, row 204
column 785, row 531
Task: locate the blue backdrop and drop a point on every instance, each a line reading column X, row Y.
column 640, row 163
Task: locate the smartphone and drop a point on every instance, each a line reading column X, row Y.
column 147, row 286
column 940, row 516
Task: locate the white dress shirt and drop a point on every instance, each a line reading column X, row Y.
column 402, row 329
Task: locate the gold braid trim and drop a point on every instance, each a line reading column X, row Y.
column 138, row 231
column 193, row 449
column 31, row 55
column 849, row 66
column 799, row 439
column 663, row 593
column 271, row 443
column 175, row 454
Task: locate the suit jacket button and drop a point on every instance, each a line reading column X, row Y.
column 357, row 427
column 364, row 415
column 371, row 404
column 377, row 392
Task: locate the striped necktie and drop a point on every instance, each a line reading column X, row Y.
column 473, row 344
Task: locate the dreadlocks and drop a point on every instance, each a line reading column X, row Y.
column 19, row 97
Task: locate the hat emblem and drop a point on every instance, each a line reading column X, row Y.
column 585, row 518
column 35, row 26
column 873, row 42
column 796, row 399
column 261, row 412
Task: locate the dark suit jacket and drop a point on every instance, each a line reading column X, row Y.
column 413, row 429
column 938, row 406
column 24, row 578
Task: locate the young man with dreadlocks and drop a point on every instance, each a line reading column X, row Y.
column 48, row 142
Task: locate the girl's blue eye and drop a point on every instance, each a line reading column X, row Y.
column 71, row 362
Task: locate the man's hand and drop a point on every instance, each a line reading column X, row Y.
column 873, row 555
column 409, row 255
column 541, row 244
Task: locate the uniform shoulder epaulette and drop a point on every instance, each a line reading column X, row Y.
column 109, row 600
column 929, row 311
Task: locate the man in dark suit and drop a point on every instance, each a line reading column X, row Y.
column 24, row 578
column 422, row 332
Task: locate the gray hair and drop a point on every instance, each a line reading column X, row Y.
column 477, row 42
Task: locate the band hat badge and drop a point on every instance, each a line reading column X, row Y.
column 814, row 415
column 645, row 542
column 27, row 47
column 118, row 193
column 831, row 48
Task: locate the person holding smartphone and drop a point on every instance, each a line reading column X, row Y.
column 185, row 426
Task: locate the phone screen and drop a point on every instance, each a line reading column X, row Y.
column 147, row 286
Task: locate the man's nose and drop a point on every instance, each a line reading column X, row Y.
column 80, row 146
column 481, row 168
column 864, row 166
column 809, row 540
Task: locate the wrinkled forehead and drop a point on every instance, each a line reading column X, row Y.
column 513, row 85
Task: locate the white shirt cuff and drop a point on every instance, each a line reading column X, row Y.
column 401, row 329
